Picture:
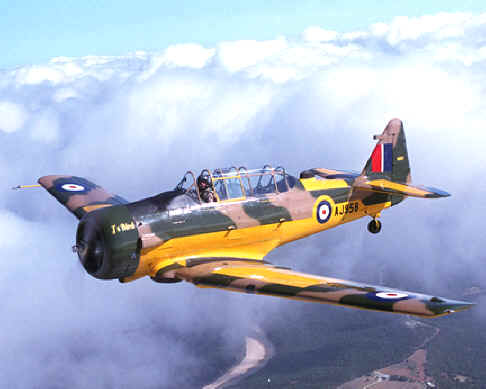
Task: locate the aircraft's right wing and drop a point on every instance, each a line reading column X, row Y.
column 260, row 277
column 79, row 195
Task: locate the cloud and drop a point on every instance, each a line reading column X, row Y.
column 134, row 124
column 318, row 34
column 434, row 27
column 235, row 56
column 12, row 116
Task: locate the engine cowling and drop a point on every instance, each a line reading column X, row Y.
column 108, row 244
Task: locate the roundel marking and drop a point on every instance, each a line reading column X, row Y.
column 391, row 295
column 72, row 188
column 323, row 211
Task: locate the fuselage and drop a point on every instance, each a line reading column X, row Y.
column 177, row 225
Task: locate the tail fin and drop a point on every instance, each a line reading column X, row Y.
column 389, row 159
column 387, row 170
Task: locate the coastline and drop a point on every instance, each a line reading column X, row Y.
column 258, row 352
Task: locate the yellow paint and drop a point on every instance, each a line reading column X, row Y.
column 90, row 208
column 374, row 210
column 122, row 227
column 402, row 188
column 314, row 183
column 252, row 243
column 26, row 186
column 167, row 263
column 231, row 200
column 400, row 158
column 270, row 275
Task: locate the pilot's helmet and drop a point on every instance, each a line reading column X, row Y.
column 203, row 182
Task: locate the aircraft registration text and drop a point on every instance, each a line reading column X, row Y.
column 345, row 208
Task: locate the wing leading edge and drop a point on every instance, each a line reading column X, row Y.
column 263, row 278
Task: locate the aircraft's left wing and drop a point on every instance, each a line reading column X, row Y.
column 260, row 277
column 79, row 195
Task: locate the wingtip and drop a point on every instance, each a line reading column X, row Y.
column 436, row 193
column 441, row 306
column 466, row 305
column 457, row 306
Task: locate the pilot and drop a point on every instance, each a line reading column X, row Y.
column 207, row 194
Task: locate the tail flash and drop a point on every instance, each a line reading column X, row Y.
column 389, row 158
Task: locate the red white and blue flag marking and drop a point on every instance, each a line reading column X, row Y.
column 388, row 296
column 323, row 212
column 382, row 158
column 72, row 188
column 391, row 295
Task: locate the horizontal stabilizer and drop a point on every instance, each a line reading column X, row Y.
column 263, row 278
column 396, row 188
column 79, row 195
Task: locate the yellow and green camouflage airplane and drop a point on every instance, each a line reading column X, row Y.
column 215, row 230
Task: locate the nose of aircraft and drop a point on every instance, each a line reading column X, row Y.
column 90, row 245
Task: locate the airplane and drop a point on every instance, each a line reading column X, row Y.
column 215, row 230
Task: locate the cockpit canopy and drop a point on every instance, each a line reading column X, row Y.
column 236, row 184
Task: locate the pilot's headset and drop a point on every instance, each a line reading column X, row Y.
column 203, row 182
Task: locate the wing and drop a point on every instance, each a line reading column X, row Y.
column 391, row 187
column 79, row 195
column 260, row 277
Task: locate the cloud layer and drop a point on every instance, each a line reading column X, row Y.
column 135, row 124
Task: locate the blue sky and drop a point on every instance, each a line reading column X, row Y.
column 33, row 32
